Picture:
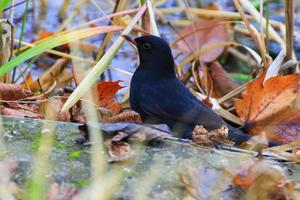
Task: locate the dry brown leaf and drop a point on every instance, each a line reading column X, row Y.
column 52, row 110
column 207, row 138
column 11, row 92
column 206, row 80
column 19, row 113
column 200, row 135
column 272, row 108
column 209, row 32
column 215, row 81
column 34, row 107
column 77, row 114
column 107, row 92
column 127, row 116
column 222, row 83
column 263, row 180
column 118, row 150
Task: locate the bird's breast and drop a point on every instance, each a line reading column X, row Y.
column 134, row 93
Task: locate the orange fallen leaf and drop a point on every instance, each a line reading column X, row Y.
column 107, row 92
column 208, row 32
column 272, row 108
column 11, row 92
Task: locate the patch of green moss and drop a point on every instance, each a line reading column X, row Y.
column 74, row 154
column 36, row 142
column 81, row 183
column 58, row 145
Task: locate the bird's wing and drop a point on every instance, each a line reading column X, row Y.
column 171, row 99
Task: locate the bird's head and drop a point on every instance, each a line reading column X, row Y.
column 154, row 52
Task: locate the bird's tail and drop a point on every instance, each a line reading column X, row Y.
column 239, row 136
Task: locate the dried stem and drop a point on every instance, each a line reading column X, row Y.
column 253, row 35
column 289, row 22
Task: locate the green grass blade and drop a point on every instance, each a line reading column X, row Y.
column 21, row 35
column 55, row 41
column 3, row 4
column 23, row 25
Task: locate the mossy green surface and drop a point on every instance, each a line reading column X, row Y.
column 155, row 166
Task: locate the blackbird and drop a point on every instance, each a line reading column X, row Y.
column 159, row 97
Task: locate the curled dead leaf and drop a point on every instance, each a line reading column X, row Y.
column 263, row 180
column 118, row 150
column 12, row 92
column 207, row 138
column 19, row 113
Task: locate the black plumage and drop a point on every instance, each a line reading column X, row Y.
column 159, row 97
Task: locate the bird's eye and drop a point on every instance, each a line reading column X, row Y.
column 146, row 46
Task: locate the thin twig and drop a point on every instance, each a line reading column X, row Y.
column 289, row 23
column 253, row 35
